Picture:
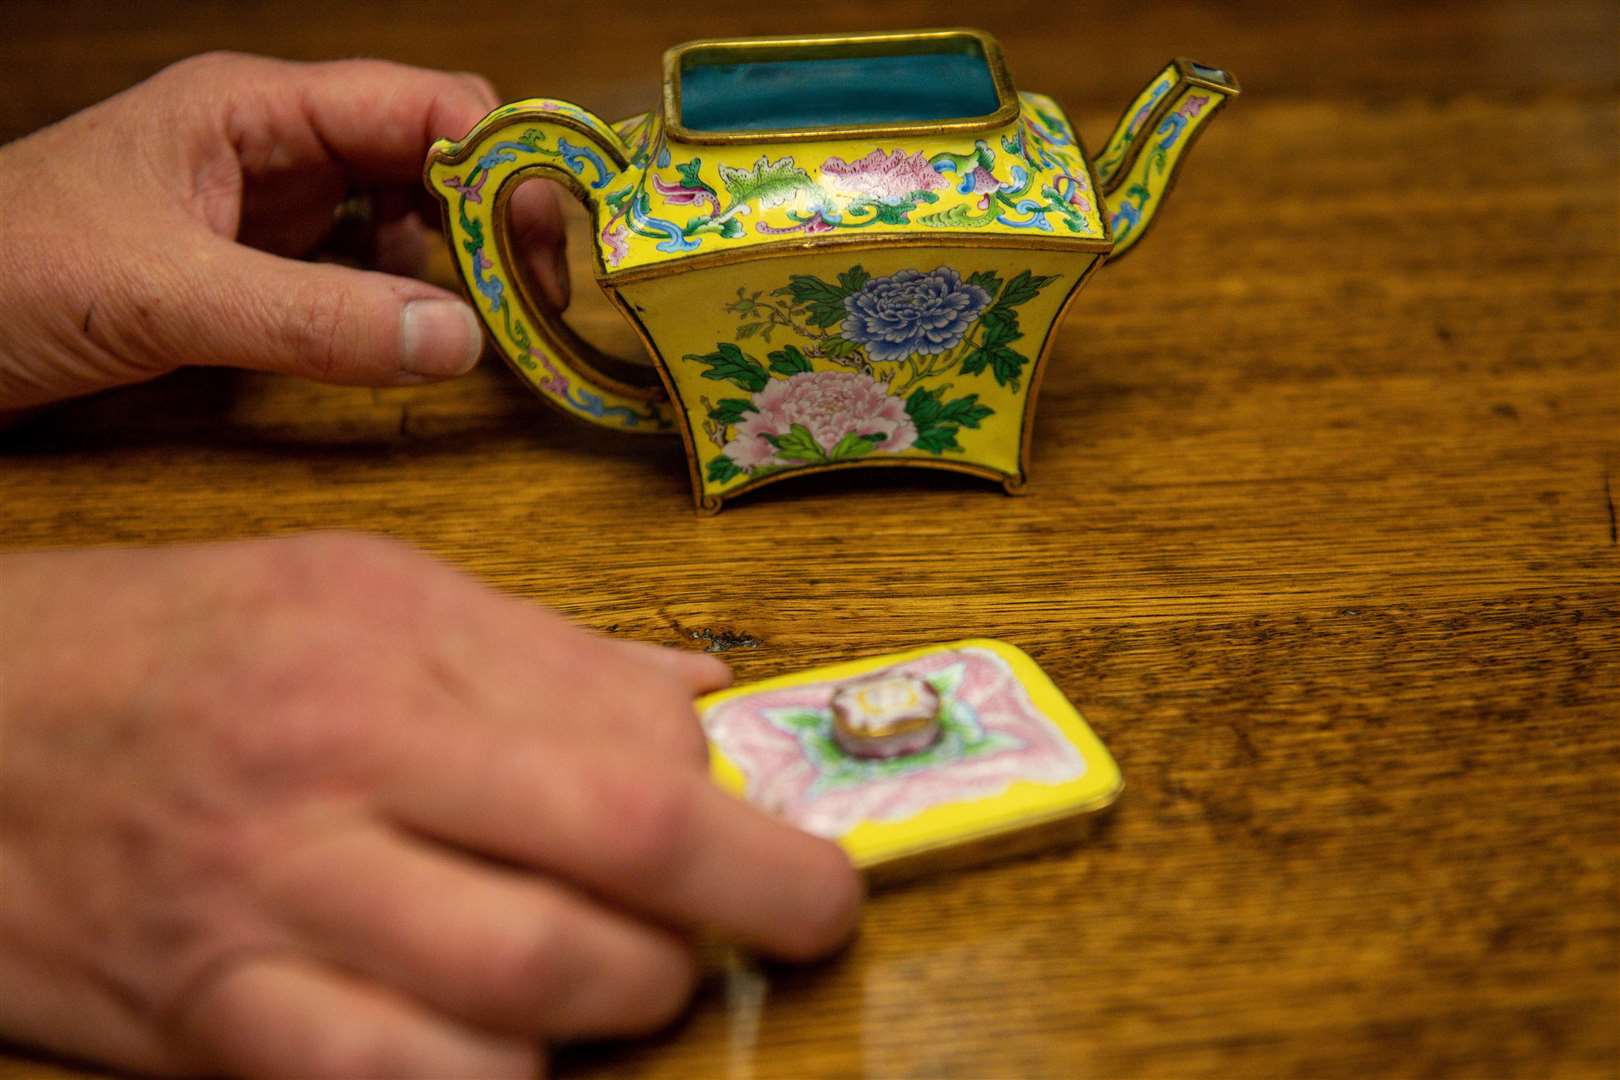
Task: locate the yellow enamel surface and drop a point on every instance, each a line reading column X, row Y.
column 1021, row 805
column 1135, row 201
column 687, row 315
column 1131, row 123
column 1028, row 179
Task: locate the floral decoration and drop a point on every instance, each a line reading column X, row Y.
column 863, row 372
column 466, row 193
column 992, row 736
column 815, row 416
column 892, row 179
column 1034, row 179
column 1155, row 160
column 912, row 312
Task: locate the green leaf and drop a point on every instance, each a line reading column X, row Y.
column 965, row 411
column 731, row 228
column 771, row 183
column 891, row 213
column 826, row 302
column 722, row 469
column 958, row 217
column 947, row 680
column 937, row 440
column 789, row 361
column 804, row 720
column 797, row 445
column 988, row 280
column 731, row 410
column 1000, row 327
column 690, row 177
column 1022, row 289
column 839, row 347
column 748, row 329
column 853, row 445
column 854, row 279
column 923, row 407
column 1004, row 362
column 1008, row 364
column 729, row 364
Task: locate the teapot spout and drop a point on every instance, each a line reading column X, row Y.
column 1137, row 167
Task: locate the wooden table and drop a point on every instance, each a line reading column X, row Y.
column 1321, row 536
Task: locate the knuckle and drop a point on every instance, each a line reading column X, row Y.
column 482, row 88
column 524, row 981
column 322, row 333
column 649, row 813
column 666, row 985
column 212, row 62
column 326, row 564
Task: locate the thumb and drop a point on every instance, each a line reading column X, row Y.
column 249, row 309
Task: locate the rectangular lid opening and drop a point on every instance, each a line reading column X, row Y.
column 818, row 85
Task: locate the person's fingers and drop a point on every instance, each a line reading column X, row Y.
column 699, row 672
column 374, row 117
column 499, row 948
column 540, row 240
column 522, row 665
column 662, row 842
column 482, row 89
column 244, row 308
column 401, row 246
column 280, row 1016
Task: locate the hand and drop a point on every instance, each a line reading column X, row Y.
column 163, row 227
column 322, row 807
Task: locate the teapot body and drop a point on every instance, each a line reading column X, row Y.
column 856, row 355
column 825, row 276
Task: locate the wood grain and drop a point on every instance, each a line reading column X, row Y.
column 1321, row 537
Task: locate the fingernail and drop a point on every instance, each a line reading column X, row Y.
column 439, row 338
column 711, row 670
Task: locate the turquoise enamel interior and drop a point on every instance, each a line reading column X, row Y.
column 923, row 81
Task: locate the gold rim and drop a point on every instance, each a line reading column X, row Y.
column 798, row 248
column 1007, row 841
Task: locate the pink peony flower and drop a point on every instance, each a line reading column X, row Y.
column 831, row 406
column 892, row 178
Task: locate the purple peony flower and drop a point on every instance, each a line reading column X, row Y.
column 892, row 178
column 831, row 405
column 911, row 312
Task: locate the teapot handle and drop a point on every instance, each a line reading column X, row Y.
column 474, row 180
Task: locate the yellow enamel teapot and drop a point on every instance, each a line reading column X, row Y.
column 839, row 251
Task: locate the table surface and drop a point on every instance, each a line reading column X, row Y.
column 1321, row 536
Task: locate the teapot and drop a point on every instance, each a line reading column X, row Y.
column 840, row 251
